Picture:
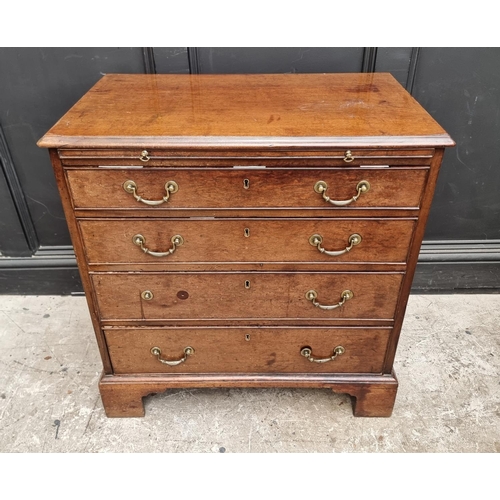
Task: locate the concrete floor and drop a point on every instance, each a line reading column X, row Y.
column 448, row 365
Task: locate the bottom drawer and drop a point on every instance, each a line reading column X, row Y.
column 247, row 350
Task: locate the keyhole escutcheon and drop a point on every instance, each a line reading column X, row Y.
column 246, row 184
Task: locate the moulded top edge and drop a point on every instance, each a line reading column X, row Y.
column 223, row 142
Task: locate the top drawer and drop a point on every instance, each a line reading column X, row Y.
column 190, row 188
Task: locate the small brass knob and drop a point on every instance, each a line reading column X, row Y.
column 348, row 156
column 144, row 156
column 147, row 295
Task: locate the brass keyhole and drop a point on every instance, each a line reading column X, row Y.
column 246, row 184
column 247, row 232
column 247, row 284
column 247, row 337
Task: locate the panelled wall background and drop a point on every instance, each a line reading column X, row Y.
column 460, row 87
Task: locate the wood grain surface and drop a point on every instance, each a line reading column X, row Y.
column 80, row 259
column 278, row 296
column 110, row 241
column 373, row 394
column 282, row 157
column 155, row 110
column 269, row 188
column 247, row 350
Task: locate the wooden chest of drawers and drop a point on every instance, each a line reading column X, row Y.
column 247, row 230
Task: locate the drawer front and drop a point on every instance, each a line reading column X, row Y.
column 111, row 241
column 225, row 157
column 248, row 350
column 247, row 188
column 251, row 296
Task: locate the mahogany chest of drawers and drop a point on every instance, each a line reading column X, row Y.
column 247, row 230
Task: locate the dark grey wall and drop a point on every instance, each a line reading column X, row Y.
column 279, row 60
column 37, row 86
column 460, row 87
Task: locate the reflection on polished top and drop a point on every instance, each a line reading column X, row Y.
column 310, row 110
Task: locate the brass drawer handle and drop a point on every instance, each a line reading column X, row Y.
column 312, row 295
column 144, row 156
column 140, row 241
column 321, row 186
column 316, row 239
column 307, row 353
column 156, row 351
column 131, row 188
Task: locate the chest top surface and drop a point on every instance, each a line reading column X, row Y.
column 326, row 110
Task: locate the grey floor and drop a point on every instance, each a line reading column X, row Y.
column 448, row 365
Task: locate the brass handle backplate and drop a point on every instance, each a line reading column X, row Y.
column 131, row 188
column 156, row 351
column 312, row 295
column 316, row 239
column 321, row 187
column 140, row 241
column 307, row 353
